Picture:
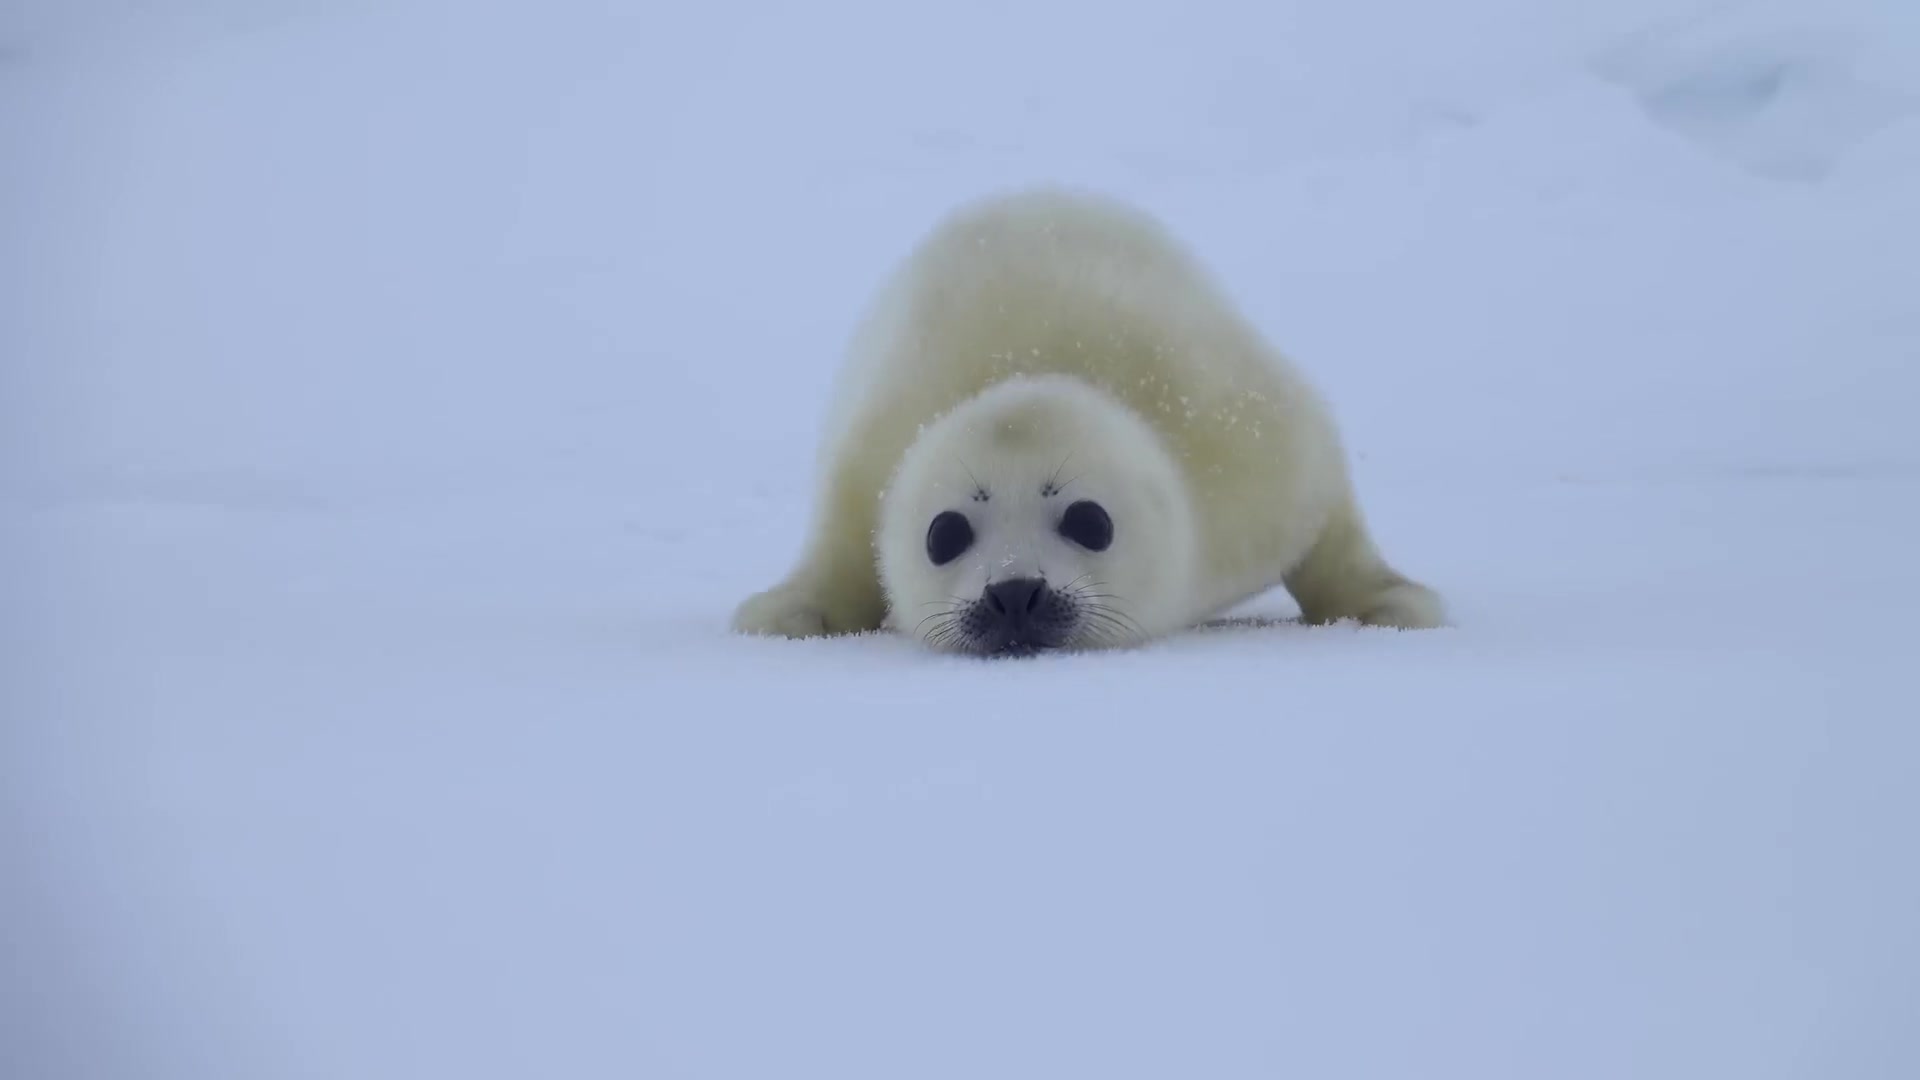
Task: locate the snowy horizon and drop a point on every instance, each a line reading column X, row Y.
column 398, row 397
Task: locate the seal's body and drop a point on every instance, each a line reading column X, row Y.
column 1053, row 429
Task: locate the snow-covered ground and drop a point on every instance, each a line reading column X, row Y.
column 399, row 396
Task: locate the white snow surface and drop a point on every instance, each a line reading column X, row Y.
column 399, row 396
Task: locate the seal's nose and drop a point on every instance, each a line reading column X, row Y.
column 1015, row 600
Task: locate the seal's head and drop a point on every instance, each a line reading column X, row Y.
column 1040, row 514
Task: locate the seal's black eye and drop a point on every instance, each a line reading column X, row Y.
column 1086, row 523
column 948, row 537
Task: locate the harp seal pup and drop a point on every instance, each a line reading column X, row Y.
column 1053, row 430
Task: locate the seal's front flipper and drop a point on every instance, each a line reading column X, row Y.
column 1344, row 577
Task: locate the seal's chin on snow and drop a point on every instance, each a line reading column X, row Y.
column 1039, row 515
column 1017, row 617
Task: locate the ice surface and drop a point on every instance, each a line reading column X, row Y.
column 400, row 396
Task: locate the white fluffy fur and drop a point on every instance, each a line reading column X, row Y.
column 1054, row 335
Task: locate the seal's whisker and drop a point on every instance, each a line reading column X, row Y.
column 1053, row 485
column 1117, row 621
column 1108, row 619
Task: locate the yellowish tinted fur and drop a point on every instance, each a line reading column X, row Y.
column 1053, row 282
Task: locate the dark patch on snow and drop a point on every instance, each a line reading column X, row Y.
column 1721, row 95
column 1784, row 102
column 1250, row 622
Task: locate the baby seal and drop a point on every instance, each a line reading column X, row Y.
column 1053, row 430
